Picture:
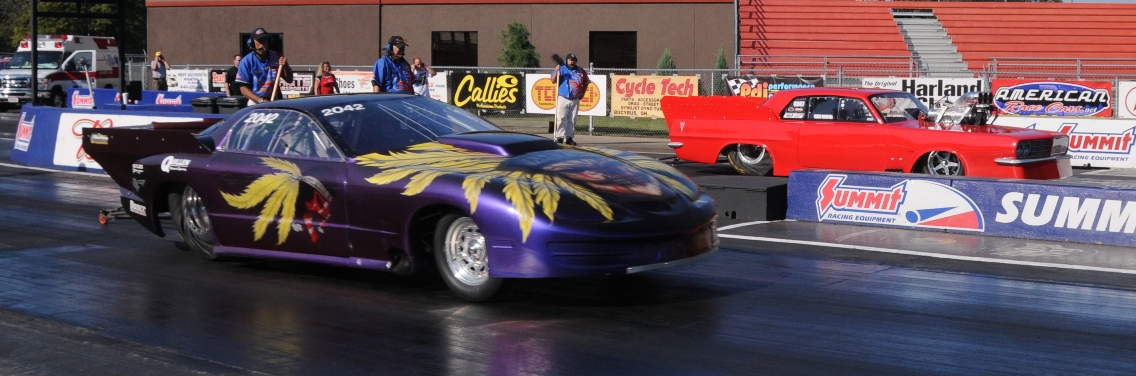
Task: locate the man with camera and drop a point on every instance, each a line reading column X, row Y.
column 257, row 71
column 158, row 70
column 392, row 74
column 422, row 74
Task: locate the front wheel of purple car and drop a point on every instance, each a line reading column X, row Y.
column 192, row 222
column 460, row 252
column 751, row 160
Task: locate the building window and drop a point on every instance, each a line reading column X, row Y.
column 277, row 43
column 613, row 49
column 453, row 48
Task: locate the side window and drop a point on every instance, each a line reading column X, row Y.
column 823, row 108
column 80, row 61
column 854, row 110
column 795, row 109
column 282, row 132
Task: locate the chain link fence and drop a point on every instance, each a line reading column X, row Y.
column 835, row 72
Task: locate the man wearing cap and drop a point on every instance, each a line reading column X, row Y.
column 392, row 72
column 573, row 83
column 256, row 73
column 158, row 70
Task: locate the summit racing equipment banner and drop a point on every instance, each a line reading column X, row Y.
column 487, row 91
column 639, row 96
column 1082, row 98
column 764, row 87
column 1092, row 142
column 196, row 80
column 1127, row 95
column 928, row 90
column 1046, row 210
column 542, row 94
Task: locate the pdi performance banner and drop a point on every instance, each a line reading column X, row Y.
column 1053, row 98
column 639, row 96
column 764, row 87
column 1092, row 142
column 542, row 94
column 1127, row 99
column 928, row 90
column 488, row 91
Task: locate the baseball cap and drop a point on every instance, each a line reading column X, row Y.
column 397, row 41
column 260, row 34
column 159, row 53
column 571, row 57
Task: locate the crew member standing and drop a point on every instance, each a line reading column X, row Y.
column 257, row 72
column 573, row 83
column 231, row 86
column 328, row 84
column 392, row 74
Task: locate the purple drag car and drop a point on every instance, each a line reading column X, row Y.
column 397, row 183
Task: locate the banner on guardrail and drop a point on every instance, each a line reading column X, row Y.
column 217, row 81
column 1092, row 142
column 303, row 83
column 195, row 80
column 542, row 94
column 1053, row 98
column 1127, row 93
column 638, row 96
column 928, row 90
column 487, row 91
column 1012, row 208
column 439, row 87
column 69, row 137
column 354, row 81
column 765, row 86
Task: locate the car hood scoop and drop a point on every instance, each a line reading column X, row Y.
column 507, row 144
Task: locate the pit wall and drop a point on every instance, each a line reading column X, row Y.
column 1104, row 213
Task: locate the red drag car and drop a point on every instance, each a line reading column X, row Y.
column 859, row 129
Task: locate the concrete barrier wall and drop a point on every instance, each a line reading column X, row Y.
column 1104, row 213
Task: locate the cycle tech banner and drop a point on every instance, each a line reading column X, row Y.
column 1026, row 209
column 638, row 96
column 1092, row 142
column 542, row 94
column 354, row 81
column 193, row 80
column 487, row 91
column 303, row 83
column 928, row 90
column 763, row 87
column 1127, row 99
column 1053, row 98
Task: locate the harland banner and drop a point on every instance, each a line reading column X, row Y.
column 487, row 91
column 928, row 90
column 638, row 96
column 765, row 86
column 542, row 95
column 1053, row 98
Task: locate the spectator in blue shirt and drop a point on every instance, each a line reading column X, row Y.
column 573, row 84
column 392, row 72
column 256, row 73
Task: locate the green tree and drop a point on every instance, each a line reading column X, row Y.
column 666, row 62
column 719, row 82
column 133, row 42
column 516, row 50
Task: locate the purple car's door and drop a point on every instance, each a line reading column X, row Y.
column 280, row 186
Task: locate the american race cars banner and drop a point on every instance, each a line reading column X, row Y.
column 639, row 96
column 354, row 81
column 487, row 91
column 765, row 86
column 929, row 90
column 1092, row 142
column 542, row 94
column 1127, row 99
column 192, row 80
column 303, row 83
column 1053, row 98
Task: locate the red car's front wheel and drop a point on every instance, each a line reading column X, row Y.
column 943, row 163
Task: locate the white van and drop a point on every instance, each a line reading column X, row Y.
column 65, row 61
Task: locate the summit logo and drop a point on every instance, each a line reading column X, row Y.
column 162, row 100
column 910, row 203
column 1113, row 143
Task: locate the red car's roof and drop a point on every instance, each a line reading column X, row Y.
column 845, row 91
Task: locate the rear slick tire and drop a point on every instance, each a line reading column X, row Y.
column 191, row 220
column 751, row 160
column 460, row 252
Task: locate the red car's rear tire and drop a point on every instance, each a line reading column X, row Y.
column 751, row 160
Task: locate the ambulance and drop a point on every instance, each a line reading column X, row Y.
column 65, row 61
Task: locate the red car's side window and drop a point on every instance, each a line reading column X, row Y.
column 795, row 110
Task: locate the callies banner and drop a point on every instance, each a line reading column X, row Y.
column 487, row 91
column 765, row 86
column 542, row 93
column 639, row 96
column 1053, row 98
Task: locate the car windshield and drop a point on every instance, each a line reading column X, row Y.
column 386, row 123
column 897, row 107
column 47, row 60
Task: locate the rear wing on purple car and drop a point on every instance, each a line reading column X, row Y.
column 116, row 149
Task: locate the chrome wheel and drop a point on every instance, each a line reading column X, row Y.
column 751, row 160
column 465, row 252
column 196, row 217
column 943, row 163
column 192, row 222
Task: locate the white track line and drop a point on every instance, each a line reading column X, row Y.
column 742, row 225
column 53, row 170
column 928, row 254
